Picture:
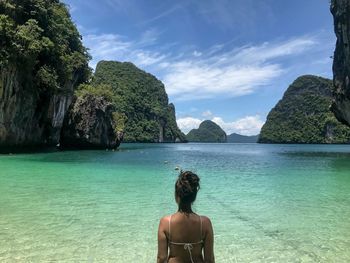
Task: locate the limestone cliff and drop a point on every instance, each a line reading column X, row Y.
column 29, row 117
column 42, row 60
column 341, row 65
column 142, row 98
column 303, row 115
column 90, row 123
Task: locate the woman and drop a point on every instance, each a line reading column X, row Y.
column 186, row 234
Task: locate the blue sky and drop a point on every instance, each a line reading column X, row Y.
column 225, row 60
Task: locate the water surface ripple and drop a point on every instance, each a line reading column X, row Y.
column 268, row 203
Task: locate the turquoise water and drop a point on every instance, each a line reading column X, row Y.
column 268, row 203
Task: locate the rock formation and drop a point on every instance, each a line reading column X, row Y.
column 303, row 115
column 90, row 124
column 42, row 60
column 208, row 131
column 341, row 64
column 143, row 100
column 28, row 117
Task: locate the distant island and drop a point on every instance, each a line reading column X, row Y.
column 208, row 131
column 303, row 115
column 238, row 138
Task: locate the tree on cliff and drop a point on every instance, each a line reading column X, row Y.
column 40, row 35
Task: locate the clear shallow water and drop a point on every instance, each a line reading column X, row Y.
column 268, row 203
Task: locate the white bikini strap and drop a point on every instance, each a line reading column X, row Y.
column 201, row 227
column 170, row 227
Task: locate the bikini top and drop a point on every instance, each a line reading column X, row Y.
column 187, row 246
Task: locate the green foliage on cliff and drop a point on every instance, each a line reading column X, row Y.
column 106, row 92
column 143, row 101
column 208, row 131
column 39, row 38
column 303, row 115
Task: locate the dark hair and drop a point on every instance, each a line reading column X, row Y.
column 186, row 187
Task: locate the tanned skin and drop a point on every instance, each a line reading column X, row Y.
column 185, row 227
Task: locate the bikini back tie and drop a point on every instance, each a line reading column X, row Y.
column 187, row 246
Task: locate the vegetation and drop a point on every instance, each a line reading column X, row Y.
column 208, row 131
column 141, row 101
column 303, row 115
column 42, row 61
column 106, row 92
column 39, row 37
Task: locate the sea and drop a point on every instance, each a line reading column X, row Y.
column 267, row 203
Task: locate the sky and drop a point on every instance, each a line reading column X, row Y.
column 229, row 61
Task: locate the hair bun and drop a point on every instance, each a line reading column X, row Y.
column 187, row 186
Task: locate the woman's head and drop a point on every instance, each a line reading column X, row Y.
column 186, row 188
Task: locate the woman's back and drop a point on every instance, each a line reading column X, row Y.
column 185, row 238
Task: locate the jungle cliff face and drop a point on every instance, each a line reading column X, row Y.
column 341, row 65
column 42, row 61
column 142, row 100
column 303, row 115
column 29, row 117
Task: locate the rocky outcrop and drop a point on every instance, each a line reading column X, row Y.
column 208, row 131
column 341, row 64
column 90, row 124
column 169, row 131
column 303, row 115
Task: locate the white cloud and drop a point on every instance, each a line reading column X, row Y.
column 233, row 73
column 249, row 125
column 220, row 72
column 268, row 51
column 197, row 53
column 207, row 114
column 190, row 80
column 149, row 37
column 116, row 47
column 188, row 123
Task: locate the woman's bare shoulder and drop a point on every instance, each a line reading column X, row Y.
column 206, row 221
column 165, row 220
